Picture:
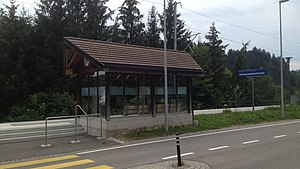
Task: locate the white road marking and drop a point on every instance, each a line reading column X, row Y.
column 187, row 137
column 218, row 148
column 280, row 136
column 299, row 132
column 125, row 146
column 175, row 156
column 240, row 129
column 250, row 142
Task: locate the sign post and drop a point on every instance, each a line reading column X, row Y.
column 252, row 73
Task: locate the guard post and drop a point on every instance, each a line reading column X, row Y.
column 178, row 150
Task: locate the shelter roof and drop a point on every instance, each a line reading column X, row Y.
column 116, row 56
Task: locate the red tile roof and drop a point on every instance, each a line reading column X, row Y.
column 124, row 54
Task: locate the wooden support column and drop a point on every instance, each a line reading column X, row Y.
column 123, row 96
column 189, row 94
column 89, row 94
column 138, row 94
column 152, row 96
column 107, row 96
column 192, row 100
column 79, row 89
column 144, row 91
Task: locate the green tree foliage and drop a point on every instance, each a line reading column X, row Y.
column 58, row 18
column 217, row 69
column 240, row 84
column 259, row 58
column 153, row 30
column 41, row 105
column 203, row 86
column 182, row 33
column 15, row 34
column 97, row 15
column 130, row 18
column 51, row 26
column 32, row 84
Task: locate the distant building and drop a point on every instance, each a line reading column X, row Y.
column 125, row 84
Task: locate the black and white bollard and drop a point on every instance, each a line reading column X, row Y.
column 178, row 150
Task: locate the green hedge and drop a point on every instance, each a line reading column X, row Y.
column 41, row 105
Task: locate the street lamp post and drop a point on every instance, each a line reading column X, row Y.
column 281, row 67
column 165, row 71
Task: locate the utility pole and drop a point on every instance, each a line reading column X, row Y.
column 175, row 25
column 165, row 71
column 281, row 67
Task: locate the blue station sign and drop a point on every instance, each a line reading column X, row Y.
column 253, row 72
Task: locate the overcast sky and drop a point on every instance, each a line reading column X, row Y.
column 237, row 20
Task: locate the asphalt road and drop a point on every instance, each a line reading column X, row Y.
column 270, row 146
column 275, row 146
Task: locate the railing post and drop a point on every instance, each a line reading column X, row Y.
column 46, row 136
column 101, row 134
column 87, row 124
column 100, row 117
column 75, row 141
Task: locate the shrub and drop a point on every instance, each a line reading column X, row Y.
column 41, row 105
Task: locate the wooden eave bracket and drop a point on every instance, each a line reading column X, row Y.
column 69, row 63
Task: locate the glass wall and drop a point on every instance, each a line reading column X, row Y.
column 89, row 93
column 182, row 94
column 116, row 94
column 172, row 93
column 131, row 92
column 159, row 94
column 144, row 94
column 85, row 97
column 101, row 92
column 93, row 94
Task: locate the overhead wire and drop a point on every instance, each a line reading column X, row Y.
column 235, row 25
column 222, row 21
column 237, row 42
column 228, row 23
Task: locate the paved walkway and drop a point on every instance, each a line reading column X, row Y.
column 30, row 149
column 34, row 124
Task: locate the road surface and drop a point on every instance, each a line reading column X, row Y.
column 275, row 146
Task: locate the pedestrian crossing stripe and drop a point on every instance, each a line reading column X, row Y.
column 101, row 167
column 68, row 164
column 28, row 163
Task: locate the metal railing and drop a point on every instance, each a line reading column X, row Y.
column 46, row 128
column 66, row 117
column 87, row 122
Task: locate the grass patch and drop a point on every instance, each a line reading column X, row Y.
column 222, row 120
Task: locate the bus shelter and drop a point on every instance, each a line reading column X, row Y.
column 124, row 84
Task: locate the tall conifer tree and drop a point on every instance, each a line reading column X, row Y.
column 131, row 21
column 182, row 33
column 97, row 15
column 153, row 30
